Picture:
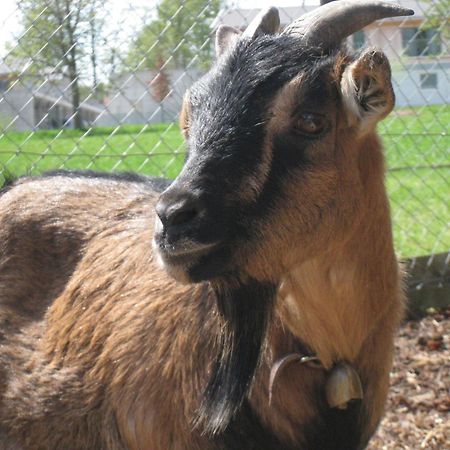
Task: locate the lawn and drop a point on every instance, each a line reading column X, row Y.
column 416, row 142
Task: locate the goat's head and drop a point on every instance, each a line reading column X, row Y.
column 269, row 179
column 269, row 129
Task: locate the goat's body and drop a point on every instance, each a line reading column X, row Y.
column 54, row 393
column 94, row 356
column 279, row 215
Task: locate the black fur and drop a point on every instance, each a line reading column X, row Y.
column 247, row 432
column 246, row 311
column 229, row 105
column 336, row 429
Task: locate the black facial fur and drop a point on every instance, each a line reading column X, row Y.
column 229, row 105
column 227, row 128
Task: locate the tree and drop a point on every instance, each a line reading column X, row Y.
column 96, row 22
column 179, row 32
column 59, row 34
column 437, row 17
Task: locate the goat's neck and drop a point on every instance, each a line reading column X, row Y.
column 333, row 302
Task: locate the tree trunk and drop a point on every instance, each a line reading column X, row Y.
column 93, row 56
column 75, row 88
column 94, row 73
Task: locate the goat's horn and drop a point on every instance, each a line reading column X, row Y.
column 327, row 25
column 266, row 22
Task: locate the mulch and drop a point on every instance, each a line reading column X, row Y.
column 418, row 408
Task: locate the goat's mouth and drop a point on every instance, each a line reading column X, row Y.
column 177, row 253
column 193, row 252
column 188, row 260
column 183, row 257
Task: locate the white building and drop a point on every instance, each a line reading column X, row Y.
column 37, row 101
column 132, row 98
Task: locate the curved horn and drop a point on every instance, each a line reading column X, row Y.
column 327, row 25
column 266, row 22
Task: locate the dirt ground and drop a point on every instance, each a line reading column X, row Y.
column 418, row 409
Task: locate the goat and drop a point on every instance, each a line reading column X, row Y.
column 271, row 286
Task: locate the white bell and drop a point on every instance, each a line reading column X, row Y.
column 342, row 386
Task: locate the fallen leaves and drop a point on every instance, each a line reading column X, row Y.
column 417, row 412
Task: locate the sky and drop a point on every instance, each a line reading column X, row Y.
column 9, row 24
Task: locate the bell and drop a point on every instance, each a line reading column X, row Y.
column 342, row 386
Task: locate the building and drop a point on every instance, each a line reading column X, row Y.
column 419, row 55
column 37, row 101
column 134, row 99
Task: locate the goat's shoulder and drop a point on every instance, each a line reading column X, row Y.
column 47, row 222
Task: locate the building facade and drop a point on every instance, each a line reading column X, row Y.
column 38, row 101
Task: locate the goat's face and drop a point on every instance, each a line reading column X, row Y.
column 271, row 172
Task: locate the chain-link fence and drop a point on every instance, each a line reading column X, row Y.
column 92, row 84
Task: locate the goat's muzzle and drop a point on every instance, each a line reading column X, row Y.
column 184, row 234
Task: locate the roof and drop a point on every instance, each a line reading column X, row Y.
column 66, row 104
column 241, row 17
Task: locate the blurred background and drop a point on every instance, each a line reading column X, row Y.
column 98, row 84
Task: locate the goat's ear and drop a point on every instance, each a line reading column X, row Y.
column 367, row 90
column 225, row 37
column 184, row 115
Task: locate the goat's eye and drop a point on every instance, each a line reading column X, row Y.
column 310, row 124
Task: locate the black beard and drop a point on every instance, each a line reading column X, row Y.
column 245, row 309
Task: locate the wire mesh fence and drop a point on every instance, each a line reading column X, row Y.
column 90, row 84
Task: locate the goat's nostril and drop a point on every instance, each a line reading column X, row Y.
column 182, row 216
column 176, row 211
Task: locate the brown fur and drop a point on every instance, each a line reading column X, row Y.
column 184, row 116
column 100, row 349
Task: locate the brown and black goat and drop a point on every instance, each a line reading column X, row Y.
column 275, row 327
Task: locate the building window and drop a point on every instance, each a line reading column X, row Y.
column 418, row 42
column 428, row 80
column 4, row 85
column 358, row 40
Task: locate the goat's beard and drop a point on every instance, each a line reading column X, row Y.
column 245, row 309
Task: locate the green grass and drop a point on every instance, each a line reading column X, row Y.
column 419, row 139
column 154, row 150
column 412, row 138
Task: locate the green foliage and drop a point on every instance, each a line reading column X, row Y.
column 438, row 16
column 51, row 32
column 179, row 32
column 60, row 38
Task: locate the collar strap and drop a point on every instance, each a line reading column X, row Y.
column 343, row 384
column 312, row 362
